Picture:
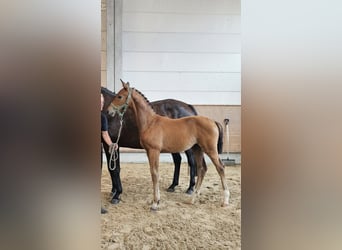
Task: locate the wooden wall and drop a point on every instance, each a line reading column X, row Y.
column 221, row 112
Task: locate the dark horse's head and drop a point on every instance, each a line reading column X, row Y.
column 108, row 97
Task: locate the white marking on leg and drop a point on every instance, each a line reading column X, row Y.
column 158, row 194
column 226, row 195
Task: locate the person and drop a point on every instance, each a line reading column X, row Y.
column 105, row 138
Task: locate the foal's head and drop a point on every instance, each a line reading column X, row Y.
column 121, row 101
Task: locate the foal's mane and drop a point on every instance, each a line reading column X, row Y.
column 145, row 98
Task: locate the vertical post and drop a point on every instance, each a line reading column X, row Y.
column 110, row 44
column 114, row 44
column 118, row 8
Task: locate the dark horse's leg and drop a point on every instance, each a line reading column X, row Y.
column 193, row 172
column 177, row 161
column 115, row 176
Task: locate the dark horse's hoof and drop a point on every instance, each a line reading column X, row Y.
column 115, row 201
column 170, row 189
column 189, row 191
column 103, row 211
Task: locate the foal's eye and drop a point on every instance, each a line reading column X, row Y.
column 120, row 97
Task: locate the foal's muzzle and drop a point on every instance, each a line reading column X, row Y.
column 112, row 112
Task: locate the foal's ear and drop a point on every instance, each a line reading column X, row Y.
column 125, row 85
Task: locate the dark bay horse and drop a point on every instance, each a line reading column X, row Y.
column 162, row 134
column 130, row 138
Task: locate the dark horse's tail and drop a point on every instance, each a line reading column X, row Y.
column 220, row 139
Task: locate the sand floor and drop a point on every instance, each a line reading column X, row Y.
column 176, row 225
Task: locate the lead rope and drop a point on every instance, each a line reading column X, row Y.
column 114, row 155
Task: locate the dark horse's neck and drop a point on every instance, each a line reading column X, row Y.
column 143, row 110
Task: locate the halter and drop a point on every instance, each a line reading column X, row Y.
column 115, row 154
column 124, row 106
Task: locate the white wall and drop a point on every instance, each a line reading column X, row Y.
column 183, row 49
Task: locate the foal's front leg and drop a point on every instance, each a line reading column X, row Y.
column 153, row 158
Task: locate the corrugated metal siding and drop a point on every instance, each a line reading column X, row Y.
column 221, row 112
column 187, row 50
column 103, row 43
column 176, row 57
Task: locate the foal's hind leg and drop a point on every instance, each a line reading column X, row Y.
column 220, row 170
column 201, row 170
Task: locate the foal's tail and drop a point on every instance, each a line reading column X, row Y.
column 220, row 139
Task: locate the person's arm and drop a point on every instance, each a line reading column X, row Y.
column 105, row 134
column 107, row 139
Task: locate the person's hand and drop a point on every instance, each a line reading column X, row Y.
column 113, row 147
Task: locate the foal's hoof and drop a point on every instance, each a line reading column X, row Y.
column 154, row 209
column 115, row 201
column 224, row 205
column 154, row 206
